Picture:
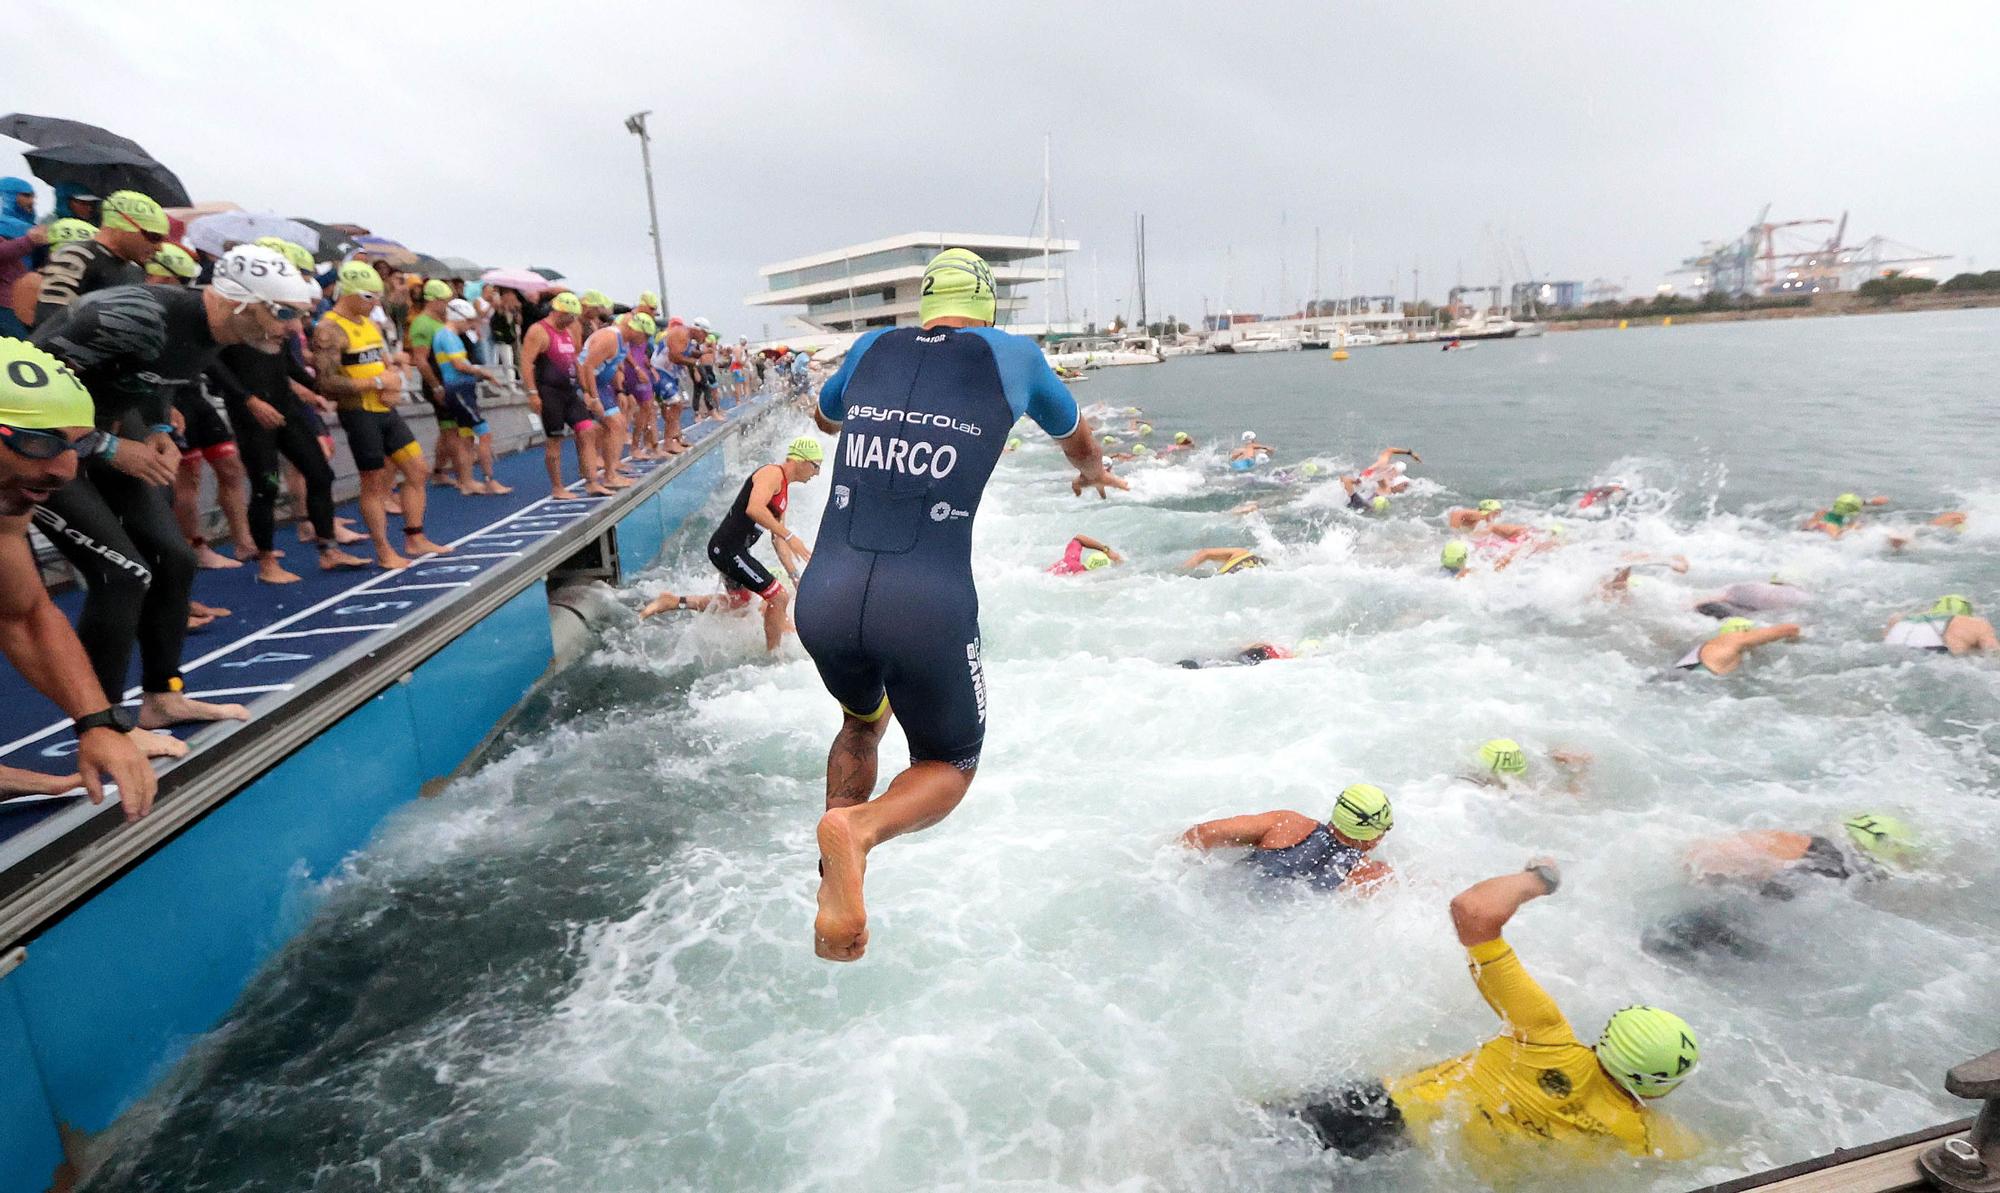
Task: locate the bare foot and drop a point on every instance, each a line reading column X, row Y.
column 618, row 481
column 248, row 551
column 157, row 745
column 345, row 535
column 594, row 489
column 333, row 558
column 201, row 610
column 198, row 621
column 394, row 505
column 496, row 489
column 840, row 931
column 270, row 571
column 471, row 491
column 417, row 544
column 157, row 710
column 209, row 557
column 390, row 560
column 563, row 495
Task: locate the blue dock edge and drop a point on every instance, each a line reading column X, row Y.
column 100, row 1005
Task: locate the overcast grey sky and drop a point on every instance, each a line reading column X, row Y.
column 1588, row 140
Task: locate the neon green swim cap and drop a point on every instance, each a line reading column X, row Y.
column 1489, row 506
column 1145, row 428
column 69, row 228
column 1952, row 605
column 596, row 298
column 1454, row 555
column 1380, row 505
column 135, row 212
column 1183, row 437
column 1140, row 449
column 1092, row 560
column 642, row 322
column 1013, row 443
column 1504, row 756
column 567, row 303
column 1647, row 1050
column 1884, row 838
column 957, row 284
column 1307, row 646
column 38, row 392
column 295, row 253
column 436, row 290
column 1362, row 813
column 805, row 447
column 357, row 277
column 1109, row 439
column 1847, row 503
column 648, row 299
column 1310, row 468
column 1733, row 625
column 172, row 261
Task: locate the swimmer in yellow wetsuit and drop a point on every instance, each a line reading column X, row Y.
column 1535, row 1080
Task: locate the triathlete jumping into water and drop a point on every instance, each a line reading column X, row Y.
column 888, row 610
column 1293, row 846
column 759, row 506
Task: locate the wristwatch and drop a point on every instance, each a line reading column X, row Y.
column 110, row 718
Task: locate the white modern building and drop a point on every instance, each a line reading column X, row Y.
column 849, row 290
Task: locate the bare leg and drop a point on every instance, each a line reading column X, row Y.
column 552, row 458
column 415, row 500
column 587, row 460
column 375, row 514
column 775, row 620
column 851, row 763
column 232, row 493
column 916, row 799
column 484, row 448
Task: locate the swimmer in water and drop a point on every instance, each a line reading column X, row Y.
column 1842, row 516
column 1603, row 494
column 1484, row 518
column 1226, row 559
column 1183, row 442
column 1455, row 561
column 1291, row 845
column 1535, row 1083
column 1249, row 656
column 1732, row 642
column 1615, row 586
column 1366, row 493
column 1085, row 554
column 1777, row 865
column 1388, row 470
column 1738, row 600
column 1503, row 763
column 1947, row 627
column 1250, row 449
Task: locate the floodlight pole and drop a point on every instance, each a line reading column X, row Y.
column 636, row 125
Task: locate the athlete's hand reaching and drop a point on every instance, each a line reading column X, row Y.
column 1102, row 481
column 147, row 461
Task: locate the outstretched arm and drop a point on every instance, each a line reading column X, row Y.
column 1481, row 910
column 1091, row 544
column 1231, row 831
column 1209, row 555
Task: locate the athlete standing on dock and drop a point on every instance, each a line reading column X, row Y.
column 46, row 423
column 888, row 610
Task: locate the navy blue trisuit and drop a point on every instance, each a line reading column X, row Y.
column 887, row 608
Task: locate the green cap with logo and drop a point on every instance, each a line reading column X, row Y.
column 957, row 284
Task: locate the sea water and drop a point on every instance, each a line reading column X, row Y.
column 589, row 965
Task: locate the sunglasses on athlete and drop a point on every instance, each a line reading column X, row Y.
column 47, row 445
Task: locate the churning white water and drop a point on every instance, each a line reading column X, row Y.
column 589, row 967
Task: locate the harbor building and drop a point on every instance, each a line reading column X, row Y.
column 849, row 290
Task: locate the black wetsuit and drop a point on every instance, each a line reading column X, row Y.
column 729, row 547
column 888, row 610
column 78, row 268
column 241, row 373
column 133, row 347
column 1320, row 861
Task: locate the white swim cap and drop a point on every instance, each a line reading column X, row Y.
column 1249, row 436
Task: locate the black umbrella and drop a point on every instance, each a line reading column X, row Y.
column 551, row 274
column 53, row 130
column 425, row 264
column 101, row 169
column 336, row 241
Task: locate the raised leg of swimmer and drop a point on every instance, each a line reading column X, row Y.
column 916, row 799
column 851, row 763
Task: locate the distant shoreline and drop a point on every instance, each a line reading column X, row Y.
column 1831, row 304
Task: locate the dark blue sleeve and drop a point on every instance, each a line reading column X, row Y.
column 833, row 387
column 1032, row 386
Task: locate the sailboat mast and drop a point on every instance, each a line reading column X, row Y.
column 1048, row 285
